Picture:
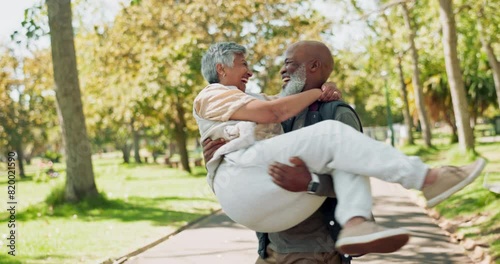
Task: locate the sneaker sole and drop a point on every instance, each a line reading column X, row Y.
column 474, row 174
column 385, row 242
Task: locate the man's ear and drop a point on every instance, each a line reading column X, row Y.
column 315, row 65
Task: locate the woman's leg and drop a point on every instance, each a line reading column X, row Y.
column 247, row 190
column 249, row 197
column 354, row 197
column 360, row 234
column 330, row 145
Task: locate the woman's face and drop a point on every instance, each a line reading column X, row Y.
column 238, row 75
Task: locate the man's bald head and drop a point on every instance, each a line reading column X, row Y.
column 313, row 50
column 317, row 58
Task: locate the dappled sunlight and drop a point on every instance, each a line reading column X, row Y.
column 137, row 205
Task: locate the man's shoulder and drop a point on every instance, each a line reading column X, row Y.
column 334, row 108
column 337, row 104
column 340, row 111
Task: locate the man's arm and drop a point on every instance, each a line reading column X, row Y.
column 210, row 147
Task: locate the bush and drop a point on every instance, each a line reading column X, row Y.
column 56, row 196
column 53, row 156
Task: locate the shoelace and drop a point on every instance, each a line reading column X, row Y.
column 455, row 170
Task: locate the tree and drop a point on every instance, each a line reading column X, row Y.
column 457, row 88
column 417, row 83
column 478, row 76
column 13, row 122
column 80, row 181
column 26, row 104
column 386, row 44
column 486, row 39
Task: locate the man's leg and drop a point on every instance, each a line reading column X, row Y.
column 270, row 259
column 300, row 258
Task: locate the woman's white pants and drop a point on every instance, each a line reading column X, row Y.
column 248, row 195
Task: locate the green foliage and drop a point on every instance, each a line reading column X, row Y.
column 358, row 67
column 455, row 155
column 56, row 195
column 52, row 156
column 27, row 109
column 147, row 86
column 418, row 150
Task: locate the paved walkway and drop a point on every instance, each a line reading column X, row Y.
column 219, row 240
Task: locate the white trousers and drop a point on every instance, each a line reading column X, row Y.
column 248, row 195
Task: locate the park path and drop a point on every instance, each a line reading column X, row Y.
column 218, row 240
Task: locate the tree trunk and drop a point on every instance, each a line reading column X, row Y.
column 155, row 156
column 181, row 137
column 171, row 149
column 80, row 181
column 457, row 88
column 126, row 153
column 136, row 138
column 448, row 118
column 492, row 59
column 406, row 106
column 494, row 65
column 417, row 86
column 20, row 159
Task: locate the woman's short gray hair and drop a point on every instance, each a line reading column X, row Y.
column 219, row 53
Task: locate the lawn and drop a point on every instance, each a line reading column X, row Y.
column 139, row 204
column 475, row 211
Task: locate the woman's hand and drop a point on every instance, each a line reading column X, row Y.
column 330, row 92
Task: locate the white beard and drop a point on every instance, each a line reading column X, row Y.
column 296, row 83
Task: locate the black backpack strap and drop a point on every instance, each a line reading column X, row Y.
column 346, row 259
column 263, row 242
column 288, row 124
column 328, row 210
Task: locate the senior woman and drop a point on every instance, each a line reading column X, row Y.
column 238, row 175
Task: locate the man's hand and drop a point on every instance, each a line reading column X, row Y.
column 291, row 178
column 210, row 147
column 330, row 92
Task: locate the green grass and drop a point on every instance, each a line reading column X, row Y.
column 138, row 204
column 475, row 206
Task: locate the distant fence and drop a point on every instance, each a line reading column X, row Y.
column 383, row 133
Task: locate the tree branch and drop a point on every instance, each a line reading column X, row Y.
column 382, row 8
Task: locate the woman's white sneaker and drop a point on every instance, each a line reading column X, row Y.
column 369, row 237
column 450, row 180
